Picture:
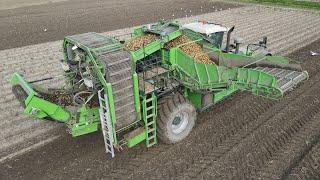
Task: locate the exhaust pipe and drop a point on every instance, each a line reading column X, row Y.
column 228, row 39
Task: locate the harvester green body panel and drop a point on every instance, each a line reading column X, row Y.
column 199, row 76
column 136, row 139
column 146, row 50
column 166, row 31
column 36, row 106
column 88, row 122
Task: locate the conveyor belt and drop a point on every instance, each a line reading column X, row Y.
column 118, row 73
column 286, row 79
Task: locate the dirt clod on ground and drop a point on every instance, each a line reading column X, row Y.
column 191, row 48
column 141, row 41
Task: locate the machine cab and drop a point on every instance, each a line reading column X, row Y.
column 211, row 32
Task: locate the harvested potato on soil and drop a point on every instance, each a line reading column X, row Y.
column 138, row 42
column 192, row 49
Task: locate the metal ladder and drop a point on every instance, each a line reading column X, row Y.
column 106, row 122
column 149, row 118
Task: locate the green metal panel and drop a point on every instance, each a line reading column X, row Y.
column 138, row 31
column 88, row 122
column 168, row 37
column 219, row 96
column 195, row 98
column 146, row 50
column 41, row 108
column 199, row 76
column 150, row 119
column 136, row 139
column 108, row 91
column 136, row 95
column 82, row 129
column 38, row 107
column 278, row 59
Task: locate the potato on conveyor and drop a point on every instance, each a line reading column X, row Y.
column 191, row 48
column 141, row 41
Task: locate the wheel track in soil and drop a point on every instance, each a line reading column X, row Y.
column 206, row 161
column 164, row 150
column 254, row 112
column 295, row 151
column 309, row 167
column 250, row 154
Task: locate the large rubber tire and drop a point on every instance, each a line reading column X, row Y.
column 172, row 108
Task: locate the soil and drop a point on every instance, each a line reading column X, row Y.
column 242, row 137
column 229, row 136
column 49, row 22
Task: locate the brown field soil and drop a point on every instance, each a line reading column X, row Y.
column 244, row 136
column 49, row 22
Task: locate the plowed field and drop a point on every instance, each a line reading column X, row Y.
column 243, row 137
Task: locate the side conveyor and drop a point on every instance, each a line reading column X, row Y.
column 268, row 82
column 286, row 79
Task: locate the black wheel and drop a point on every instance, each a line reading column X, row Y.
column 176, row 118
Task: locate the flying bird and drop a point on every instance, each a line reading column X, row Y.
column 314, row 53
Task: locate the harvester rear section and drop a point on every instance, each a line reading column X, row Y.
column 152, row 85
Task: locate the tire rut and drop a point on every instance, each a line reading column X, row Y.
column 246, row 157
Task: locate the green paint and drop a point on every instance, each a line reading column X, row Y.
column 108, row 91
column 38, row 107
column 41, row 108
column 136, row 94
column 136, row 139
column 198, row 76
column 195, row 98
column 149, row 115
column 146, row 50
column 219, row 96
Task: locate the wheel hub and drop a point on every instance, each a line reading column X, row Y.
column 179, row 123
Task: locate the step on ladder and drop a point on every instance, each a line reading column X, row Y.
column 106, row 122
column 149, row 117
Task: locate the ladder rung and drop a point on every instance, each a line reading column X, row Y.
column 105, row 116
column 149, row 100
column 104, row 108
column 102, row 99
column 150, row 123
column 151, row 130
column 151, row 107
column 150, row 115
column 153, row 143
column 106, row 137
column 151, row 137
